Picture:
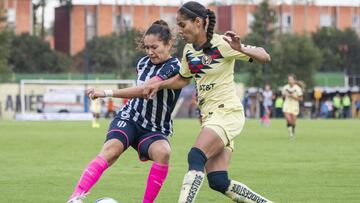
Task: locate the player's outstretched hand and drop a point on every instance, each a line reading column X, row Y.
column 233, row 39
column 150, row 90
column 93, row 93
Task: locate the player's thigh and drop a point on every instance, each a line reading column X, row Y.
column 119, row 137
column 209, row 142
column 111, row 150
column 220, row 162
column 287, row 116
column 293, row 118
column 153, row 146
column 159, row 151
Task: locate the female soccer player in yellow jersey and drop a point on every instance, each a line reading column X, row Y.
column 209, row 58
column 293, row 93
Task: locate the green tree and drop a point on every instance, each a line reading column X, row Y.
column 294, row 54
column 289, row 53
column 5, row 39
column 328, row 40
column 115, row 53
column 29, row 54
column 263, row 34
column 340, row 48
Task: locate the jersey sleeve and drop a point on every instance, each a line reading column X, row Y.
column 299, row 91
column 137, row 64
column 184, row 70
column 229, row 52
column 168, row 71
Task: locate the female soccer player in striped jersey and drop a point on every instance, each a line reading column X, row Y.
column 142, row 124
column 293, row 93
column 209, row 58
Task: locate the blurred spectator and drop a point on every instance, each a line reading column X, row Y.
column 324, row 110
column 110, row 113
column 337, row 105
column 125, row 101
column 279, row 101
column 246, row 103
column 346, row 103
column 357, row 107
column 267, row 96
column 330, row 108
column 95, row 108
column 317, row 97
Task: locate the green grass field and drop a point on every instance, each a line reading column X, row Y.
column 42, row 161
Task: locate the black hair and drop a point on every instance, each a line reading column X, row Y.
column 192, row 10
column 159, row 28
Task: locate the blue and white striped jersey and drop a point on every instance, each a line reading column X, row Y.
column 154, row 114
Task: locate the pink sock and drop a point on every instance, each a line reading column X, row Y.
column 157, row 176
column 90, row 176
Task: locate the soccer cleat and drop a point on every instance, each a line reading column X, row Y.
column 78, row 199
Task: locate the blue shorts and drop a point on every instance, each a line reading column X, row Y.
column 129, row 133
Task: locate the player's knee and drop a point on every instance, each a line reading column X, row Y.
column 219, row 181
column 196, row 159
column 112, row 150
column 162, row 154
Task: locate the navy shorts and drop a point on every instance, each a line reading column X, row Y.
column 131, row 134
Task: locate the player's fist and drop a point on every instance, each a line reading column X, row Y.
column 93, row 93
column 150, row 90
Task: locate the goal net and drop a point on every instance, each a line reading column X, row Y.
column 64, row 99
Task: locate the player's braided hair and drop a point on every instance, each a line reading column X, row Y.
column 192, row 10
column 159, row 28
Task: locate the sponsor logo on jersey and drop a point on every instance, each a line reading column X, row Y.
column 207, row 87
column 197, row 64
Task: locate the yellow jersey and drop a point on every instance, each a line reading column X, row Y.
column 289, row 101
column 213, row 73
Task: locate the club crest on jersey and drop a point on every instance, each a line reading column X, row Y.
column 206, row 60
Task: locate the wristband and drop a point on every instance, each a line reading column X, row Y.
column 108, row 93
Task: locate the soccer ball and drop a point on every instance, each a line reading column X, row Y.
column 106, row 200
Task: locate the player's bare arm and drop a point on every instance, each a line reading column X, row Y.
column 296, row 97
column 257, row 53
column 176, row 82
column 130, row 92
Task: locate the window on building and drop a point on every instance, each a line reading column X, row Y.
column 127, row 21
column 286, row 22
column 327, row 20
column 11, row 18
column 117, row 23
column 122, row 22
column 355, row 22
column 250, row 20
column 90, row 25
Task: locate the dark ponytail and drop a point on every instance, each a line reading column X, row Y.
column 210, row 29
column 192, row 10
